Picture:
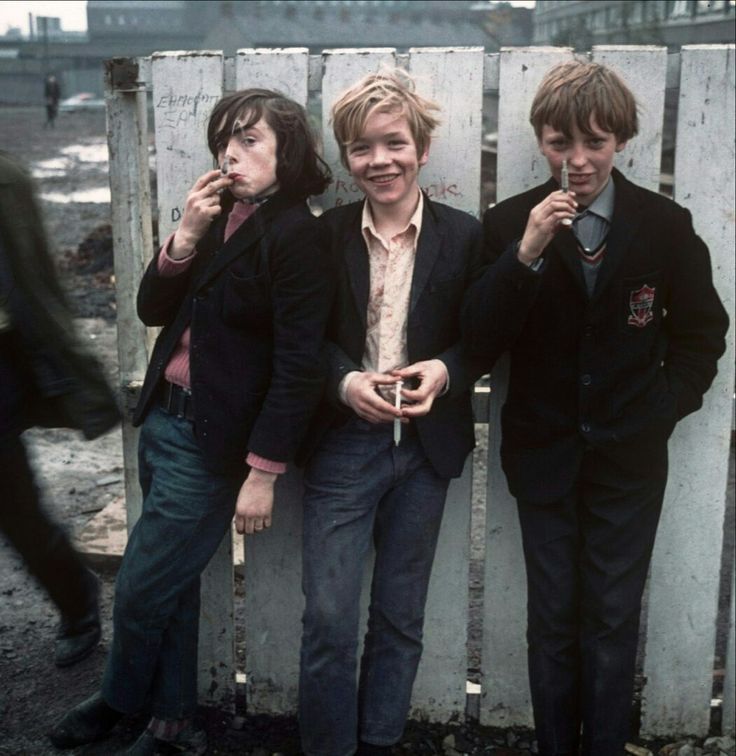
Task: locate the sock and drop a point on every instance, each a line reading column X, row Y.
column 166, row 729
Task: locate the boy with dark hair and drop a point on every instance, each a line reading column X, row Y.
column 602, row 292
column 404, row 265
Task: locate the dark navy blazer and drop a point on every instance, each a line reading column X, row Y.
column 616, row 369
column 449, row 257
column 257, row 305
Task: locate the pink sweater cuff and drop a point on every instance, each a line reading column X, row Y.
column 167, row 266
column 267, row 465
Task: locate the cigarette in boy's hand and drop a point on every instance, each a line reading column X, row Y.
column 565, row 186
column 397, row 420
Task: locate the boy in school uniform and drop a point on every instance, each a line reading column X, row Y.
column 604, row 297
column 404, row 263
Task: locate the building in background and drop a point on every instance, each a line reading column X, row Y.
column 127, row 28
column 584, row 23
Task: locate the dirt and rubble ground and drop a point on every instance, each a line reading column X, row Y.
column 79, row 479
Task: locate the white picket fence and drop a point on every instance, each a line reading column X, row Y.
column 684, row 581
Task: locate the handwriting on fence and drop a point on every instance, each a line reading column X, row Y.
column 441, row 189
column 174, row 110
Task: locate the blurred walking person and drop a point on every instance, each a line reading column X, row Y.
column 46, row 379
column 52, row 95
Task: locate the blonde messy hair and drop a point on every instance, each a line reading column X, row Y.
column 571, row 93
column 388, row 90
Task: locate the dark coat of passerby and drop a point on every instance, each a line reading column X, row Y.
column 48, row 380
column 52, row 95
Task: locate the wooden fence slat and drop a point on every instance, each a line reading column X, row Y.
column 452, row 175
column 728, row 706
column 520, row 166
column 284, row 70
column 685, row 569
column 645, row 72
column 341, row 68
column 186, row 87
column 273, row 596
column 127, row 129
column 505, row 697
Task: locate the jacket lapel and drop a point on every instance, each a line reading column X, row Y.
column 627, row 217
column 357, row 265
column 431, row 239
column 564, row 244
column 244, row 237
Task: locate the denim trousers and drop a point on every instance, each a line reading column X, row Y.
column 186, row 512
column 587, row 557
column 361, row 488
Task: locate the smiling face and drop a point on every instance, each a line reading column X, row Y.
column 589, row 158
column 251, row 160
column 384, row 162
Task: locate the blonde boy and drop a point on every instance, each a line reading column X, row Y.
column 404, row 263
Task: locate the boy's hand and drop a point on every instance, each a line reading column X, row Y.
column 545, row 220
column 255, row 502
column 202, row 206
column 432, row 376
column 362, row 397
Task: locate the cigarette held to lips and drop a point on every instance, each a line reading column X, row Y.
column 565, row 186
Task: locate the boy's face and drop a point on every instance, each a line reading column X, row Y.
column 589, row 158
column 251, row 160
column 384, row 160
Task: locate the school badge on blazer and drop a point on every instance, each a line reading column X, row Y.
column 641, row 303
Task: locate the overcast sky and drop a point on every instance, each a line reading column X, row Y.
column 73, row 13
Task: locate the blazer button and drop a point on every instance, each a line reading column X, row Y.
column 585, row 427
column 586, row 380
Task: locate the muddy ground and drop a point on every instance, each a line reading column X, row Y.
column 79, row 479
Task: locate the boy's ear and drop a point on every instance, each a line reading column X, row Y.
column 620, row 146
column 424, row 157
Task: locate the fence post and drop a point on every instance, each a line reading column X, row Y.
column 686, row 565
column 127, row 140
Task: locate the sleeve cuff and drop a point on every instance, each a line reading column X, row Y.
column 342, row 389
column 266, row 465
column 166, row 265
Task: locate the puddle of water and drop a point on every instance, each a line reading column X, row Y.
column 87, row 153
column 100, row 194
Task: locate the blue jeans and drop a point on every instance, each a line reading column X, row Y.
column 359, row 488
column 186, row 512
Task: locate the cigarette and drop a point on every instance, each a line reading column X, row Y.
column 565, row 186
column 397, row 420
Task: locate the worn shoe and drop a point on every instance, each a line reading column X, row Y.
column 88, row 721
column 191, row 741
column 77, row 637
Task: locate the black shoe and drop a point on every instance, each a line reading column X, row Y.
column 78, row 636
column 191, row 741
column 88, row 721
column 368, row 749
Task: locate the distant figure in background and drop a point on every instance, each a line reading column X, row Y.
column 46, row 379
column 52, row 94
